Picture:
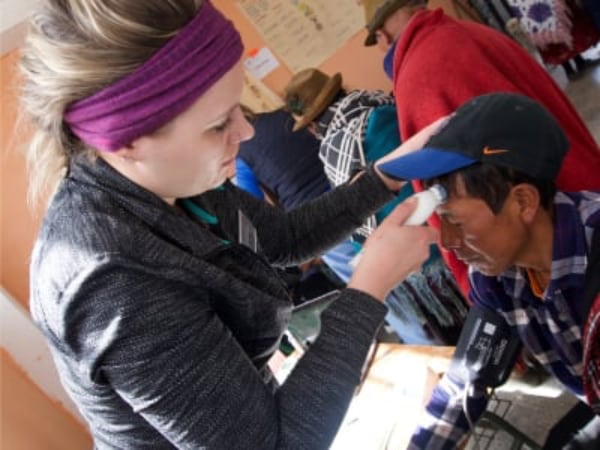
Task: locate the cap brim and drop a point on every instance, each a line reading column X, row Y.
column 425, row 164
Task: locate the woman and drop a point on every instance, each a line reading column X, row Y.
column 150, row 277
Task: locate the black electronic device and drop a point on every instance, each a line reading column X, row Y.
column 486, row 350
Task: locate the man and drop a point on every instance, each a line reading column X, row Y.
column 437, row 63
column 527, row 245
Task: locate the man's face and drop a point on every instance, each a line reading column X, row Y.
column 489, row 242
column 393, row 27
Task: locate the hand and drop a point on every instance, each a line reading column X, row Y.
column 392, row 253
column 416, row 142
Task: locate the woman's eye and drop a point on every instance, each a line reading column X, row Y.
column 222, row 126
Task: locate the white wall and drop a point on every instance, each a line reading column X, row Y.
column 27, row 346
column 12, row 28
column 14, row 12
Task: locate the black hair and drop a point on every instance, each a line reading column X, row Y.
column 492, row 183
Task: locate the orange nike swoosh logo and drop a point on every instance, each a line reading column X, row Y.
column 493, row 151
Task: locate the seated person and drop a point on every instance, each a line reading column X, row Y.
column 527, row 246
column 356, row 128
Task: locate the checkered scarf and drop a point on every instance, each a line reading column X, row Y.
column 342, row 131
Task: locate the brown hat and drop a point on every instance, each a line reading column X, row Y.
column 376, row 13
column 309, row 93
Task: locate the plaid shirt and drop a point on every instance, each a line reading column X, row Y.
column 341, row 147
column 551, row 327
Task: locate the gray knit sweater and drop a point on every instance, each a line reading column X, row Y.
column 162, row 327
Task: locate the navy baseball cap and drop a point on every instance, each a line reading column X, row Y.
column 503, row 129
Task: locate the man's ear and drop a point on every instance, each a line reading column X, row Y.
column 383, row 38
column 527, row 200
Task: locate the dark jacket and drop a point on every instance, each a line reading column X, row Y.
column 161, row 327
column 285, row 162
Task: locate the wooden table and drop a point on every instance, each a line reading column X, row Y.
column 385, row 410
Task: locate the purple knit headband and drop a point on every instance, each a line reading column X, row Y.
column 161, row 88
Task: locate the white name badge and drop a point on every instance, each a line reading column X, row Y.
column 247, row 232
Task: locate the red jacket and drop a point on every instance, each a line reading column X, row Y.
column 439, row 63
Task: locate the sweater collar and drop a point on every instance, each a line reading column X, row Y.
column 169, row 221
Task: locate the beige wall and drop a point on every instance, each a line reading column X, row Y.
column 29, row 420
column 360, row 66
column 17, row 223
column 368, row 75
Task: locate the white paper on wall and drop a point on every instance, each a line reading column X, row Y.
column 304, row 33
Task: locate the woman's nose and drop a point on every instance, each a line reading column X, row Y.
column 243, row 129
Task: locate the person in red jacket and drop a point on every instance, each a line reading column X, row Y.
column 437, row 63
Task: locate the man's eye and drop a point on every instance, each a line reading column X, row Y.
column 452, row 222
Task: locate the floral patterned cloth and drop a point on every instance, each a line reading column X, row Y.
column 584, row 35
column 545, row 21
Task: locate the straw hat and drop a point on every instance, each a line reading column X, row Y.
column 309, row 93
column 376, row 12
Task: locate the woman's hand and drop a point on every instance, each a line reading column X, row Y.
column 392, row 253
column 416, row 142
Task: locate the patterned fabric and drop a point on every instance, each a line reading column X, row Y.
column 591, row 332
column 591, row 360
column 550, row 328
column 546, row 21
column 341, row 148
column 583, row 32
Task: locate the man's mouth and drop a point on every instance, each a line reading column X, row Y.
column 468, row 259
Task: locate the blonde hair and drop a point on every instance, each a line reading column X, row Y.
column 73, row 49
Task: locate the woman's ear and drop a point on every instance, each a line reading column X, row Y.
column 133, row 152
column 128, row 152
column 125, row 158
column 527, row 200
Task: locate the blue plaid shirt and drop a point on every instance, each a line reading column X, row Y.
column 551, row 327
